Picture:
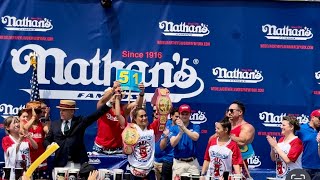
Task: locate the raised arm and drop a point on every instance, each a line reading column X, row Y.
column 138, row 102
column 88, row 120
column 108, row 94
column 46, row 124
column 26, row 126
column 121, row 119
column 194, row 135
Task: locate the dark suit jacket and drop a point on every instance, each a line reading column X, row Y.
column 72, row 147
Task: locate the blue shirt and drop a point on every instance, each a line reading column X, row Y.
column 186, row 147
column 310, row 158
column 168, row 156
column 160, row 155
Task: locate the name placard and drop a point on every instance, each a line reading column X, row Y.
column 129, row 79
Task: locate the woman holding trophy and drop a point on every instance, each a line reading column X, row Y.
column 139, row 138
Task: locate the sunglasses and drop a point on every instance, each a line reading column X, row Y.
column 232, row 110
column 154, row 110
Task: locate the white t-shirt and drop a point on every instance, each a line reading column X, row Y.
column 143, row 153
column 14, row 159
column 293, row 149
column 221, row 157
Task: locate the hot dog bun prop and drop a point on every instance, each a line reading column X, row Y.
column 52, row 148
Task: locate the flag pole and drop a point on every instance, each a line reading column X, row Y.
column 34, row 94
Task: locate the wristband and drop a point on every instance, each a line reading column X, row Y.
column 141, row 94
column 109, row 104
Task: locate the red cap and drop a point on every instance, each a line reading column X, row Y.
column 184, row 108
column 315, row 113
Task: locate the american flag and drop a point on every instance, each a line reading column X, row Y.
column 34, row 96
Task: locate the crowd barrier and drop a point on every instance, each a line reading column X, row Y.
column 120, row 162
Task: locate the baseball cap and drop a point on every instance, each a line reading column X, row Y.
column 315, row 113
column 184, row 108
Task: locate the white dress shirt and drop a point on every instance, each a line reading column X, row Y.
column 63, row 124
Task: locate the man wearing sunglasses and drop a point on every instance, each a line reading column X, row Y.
column 241, row 131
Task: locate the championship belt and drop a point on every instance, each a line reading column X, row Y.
column 163, row 104
column 130, row 136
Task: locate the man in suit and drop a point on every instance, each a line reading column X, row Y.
column 68, row 133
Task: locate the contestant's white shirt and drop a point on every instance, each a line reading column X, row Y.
column 143, row 153
column 293, row 150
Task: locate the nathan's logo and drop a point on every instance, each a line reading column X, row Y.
column 26, row 24
column 184, row 29
column 317, row 76
column 9, row 110
column 254, row 162
column 177, row 74
column 198, row 117
column 287, row 33
column 272, row 120
column 94, row 161
column 237, row 75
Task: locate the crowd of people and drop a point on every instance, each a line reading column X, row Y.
column 155, row 154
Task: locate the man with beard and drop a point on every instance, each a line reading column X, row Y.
column 241, row 132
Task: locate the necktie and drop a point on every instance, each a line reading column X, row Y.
column 66, row 127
